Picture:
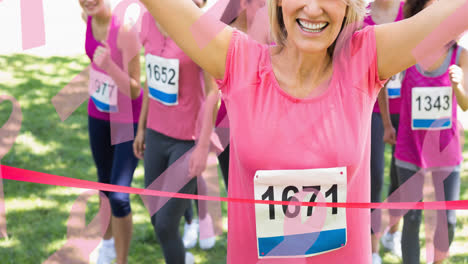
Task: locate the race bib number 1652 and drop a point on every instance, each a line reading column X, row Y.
column 162, row 75
column 300, row 231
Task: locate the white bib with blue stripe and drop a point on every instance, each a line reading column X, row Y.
column 300, row 231
column 431, row 104
column 394, row 86
column 163, row 79
column 103, row 91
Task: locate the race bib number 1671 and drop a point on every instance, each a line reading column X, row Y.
column 300, row 231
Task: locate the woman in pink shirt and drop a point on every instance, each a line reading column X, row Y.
column 384, row 128
column 114, row 84
column 429, row 99
column 175, row 92
column 299, row 116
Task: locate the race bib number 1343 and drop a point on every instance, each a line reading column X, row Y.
column 431, row 104
column 282, row 228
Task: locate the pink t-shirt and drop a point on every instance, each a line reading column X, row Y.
column 410, row 143
column 272, row 130
column 393, row 103
column 91, row 45
column 176, row 121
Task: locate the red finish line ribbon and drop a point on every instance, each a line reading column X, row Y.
column 17, row 174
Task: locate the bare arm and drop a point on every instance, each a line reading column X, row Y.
column 139, row 142
column 200, row 154
column 383, row 105
column 458, row 75
column 177, row 17
column 144, row 109
column 127, row 79
column 130, row 46
column 396, row 54
column 210, row 109
column 389, row 130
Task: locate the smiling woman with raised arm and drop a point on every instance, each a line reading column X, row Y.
column 300, row 117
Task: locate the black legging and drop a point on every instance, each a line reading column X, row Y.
column 378, row 161
column 115, row 163
column 223, row 160
column 378, row 158
column 412, row 220
column 160, row 152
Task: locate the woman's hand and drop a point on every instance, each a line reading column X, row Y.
column 456, row 75
column 389, row 135
column 102, row 57
column 139, row 144
column 198, row 160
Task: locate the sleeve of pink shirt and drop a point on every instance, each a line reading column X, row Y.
column 242, row 63
column 356, row 59
column 144, row 28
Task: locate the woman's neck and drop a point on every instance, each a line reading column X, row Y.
column 385, row 11
column 385, row 4
column 240, row 22
column 300, row 73
column 103, row 17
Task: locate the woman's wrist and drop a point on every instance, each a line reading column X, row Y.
column 203, row 143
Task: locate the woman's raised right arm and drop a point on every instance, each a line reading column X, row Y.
column 177, row 17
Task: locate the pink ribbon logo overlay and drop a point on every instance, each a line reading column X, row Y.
column 81, row 241
column 8, row 133
column 32, row 23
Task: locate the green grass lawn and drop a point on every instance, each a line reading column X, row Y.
column 37, row 214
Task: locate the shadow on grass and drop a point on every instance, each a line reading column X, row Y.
column 37, row 214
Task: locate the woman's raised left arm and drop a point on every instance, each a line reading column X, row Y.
column 420, row 34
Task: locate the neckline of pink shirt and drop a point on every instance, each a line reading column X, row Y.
column 325, row 87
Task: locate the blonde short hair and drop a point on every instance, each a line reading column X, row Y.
column 356, row 11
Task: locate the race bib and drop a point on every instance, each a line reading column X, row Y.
column 103, row 91
column 429, row 104
column 163, row 79
column 300, row 231
column 394, row 86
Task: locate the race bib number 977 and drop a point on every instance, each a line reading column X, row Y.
column 429, row 104
column 300, row 231
column 103, row 91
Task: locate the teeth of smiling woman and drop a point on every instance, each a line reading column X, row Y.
column 312, row 27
